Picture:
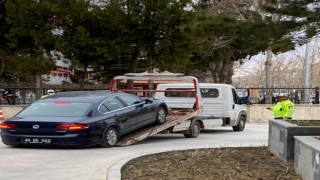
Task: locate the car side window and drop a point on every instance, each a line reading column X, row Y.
column 111, row 104
column 130, row 99
column 103, row 108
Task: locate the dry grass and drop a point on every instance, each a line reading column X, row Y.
column 245, row 163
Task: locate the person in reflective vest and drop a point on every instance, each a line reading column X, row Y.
column 50, row 92
column 284, row 107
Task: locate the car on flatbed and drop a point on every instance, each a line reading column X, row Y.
column 81, row 118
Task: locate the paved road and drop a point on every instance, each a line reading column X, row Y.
column 93, row 163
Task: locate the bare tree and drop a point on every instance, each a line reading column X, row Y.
column 287, row 69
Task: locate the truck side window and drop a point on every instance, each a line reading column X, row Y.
column 179, row 94
column 209, row 92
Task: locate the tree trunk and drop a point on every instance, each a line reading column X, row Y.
column 38, row 86
column 212, row 68
column 223, row 73
column 268, row 67
column 215, row 69
column 230, row 72
column 150, row 70
column 83, row 77
column 133, row 66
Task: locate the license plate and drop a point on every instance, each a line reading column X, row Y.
column 36, row 140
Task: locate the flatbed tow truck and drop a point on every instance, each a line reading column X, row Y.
column 176, row 118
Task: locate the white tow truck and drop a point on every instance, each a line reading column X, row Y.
column 222, row 106
column 179, row 119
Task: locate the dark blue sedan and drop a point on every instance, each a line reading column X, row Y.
column 81, row 118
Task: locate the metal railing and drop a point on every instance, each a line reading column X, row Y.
column 14, row 95
column 256, row 95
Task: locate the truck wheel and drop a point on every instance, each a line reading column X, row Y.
column 110, row 137
column 161, row 115
column 194, row 130
column 241, row 124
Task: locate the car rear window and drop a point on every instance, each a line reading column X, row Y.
column 56, row 109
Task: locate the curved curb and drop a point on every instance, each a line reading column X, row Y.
column 114, row 171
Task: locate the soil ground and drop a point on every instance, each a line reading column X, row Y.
column 241, row 163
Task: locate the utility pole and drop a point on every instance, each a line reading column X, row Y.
column 307, row 74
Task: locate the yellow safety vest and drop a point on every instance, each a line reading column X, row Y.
column 283, row 109
column 43, row 96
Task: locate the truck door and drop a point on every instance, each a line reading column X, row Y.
column 235, row 109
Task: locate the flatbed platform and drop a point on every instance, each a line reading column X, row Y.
column 173, row 118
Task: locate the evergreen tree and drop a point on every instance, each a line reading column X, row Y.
column 222, row 35
column 248, row 28
column 87, row 29
column 154, row 30
column 6, row 66
column 30, row 37
column 300, row 18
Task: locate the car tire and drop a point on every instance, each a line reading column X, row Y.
column 161, row 115
column 241, row 124
column 110, row 137
column 194, row 130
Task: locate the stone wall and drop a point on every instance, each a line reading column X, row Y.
column 307, row 157
column 257, row 113
column 281, row 137
column 11, row 110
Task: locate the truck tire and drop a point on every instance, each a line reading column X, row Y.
column 161, row 115
column 109, row 138
column 194, row 130
column 241, row 124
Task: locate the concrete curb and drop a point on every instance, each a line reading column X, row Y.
column 114, row 171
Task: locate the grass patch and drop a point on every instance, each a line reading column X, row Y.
column 305, row 122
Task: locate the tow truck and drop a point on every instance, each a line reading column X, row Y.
column 179, row 120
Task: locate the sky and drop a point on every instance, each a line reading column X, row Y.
column 261, row 58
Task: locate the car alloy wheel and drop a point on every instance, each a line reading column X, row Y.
column 110, row 137
column 161, row 115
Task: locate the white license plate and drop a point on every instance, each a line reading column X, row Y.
column 36, row 140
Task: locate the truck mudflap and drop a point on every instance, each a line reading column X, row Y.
column 173, row 118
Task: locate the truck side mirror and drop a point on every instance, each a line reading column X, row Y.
column 243, row 101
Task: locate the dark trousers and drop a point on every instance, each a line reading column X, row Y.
column 281, row 118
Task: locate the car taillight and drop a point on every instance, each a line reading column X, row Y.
column 5, row 125
column 72, row 127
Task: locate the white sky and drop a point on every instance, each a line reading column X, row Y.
column 261, row 58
